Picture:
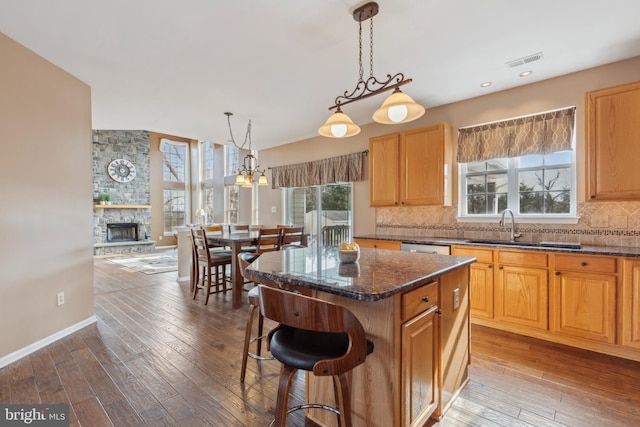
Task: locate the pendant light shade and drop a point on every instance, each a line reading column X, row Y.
column 339, row 125
column 398, row 108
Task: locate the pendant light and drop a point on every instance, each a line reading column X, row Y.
column 397, row 108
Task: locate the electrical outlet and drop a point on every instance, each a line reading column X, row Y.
column 456, row 298
column 160, row 238
column 60, row 298
column 273, row 209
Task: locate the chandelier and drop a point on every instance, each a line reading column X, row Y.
column 249, row 169
column 397, row 108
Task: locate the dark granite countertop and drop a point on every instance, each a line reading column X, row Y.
column 624, row 251
column 378, row 274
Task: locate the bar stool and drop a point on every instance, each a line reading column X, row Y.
column 244, row 259
column 315, row 336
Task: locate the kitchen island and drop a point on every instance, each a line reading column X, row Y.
column 415, row 309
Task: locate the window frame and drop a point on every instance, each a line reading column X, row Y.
column 177, row 185
column 315, row 235
column 513, row 194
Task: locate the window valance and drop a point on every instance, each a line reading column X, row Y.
column 347, row 168
column 536, row 134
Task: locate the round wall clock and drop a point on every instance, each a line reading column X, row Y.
column 121, row 170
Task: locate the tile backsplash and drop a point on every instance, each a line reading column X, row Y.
column 602, row 224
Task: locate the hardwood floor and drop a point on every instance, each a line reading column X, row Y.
column 156, row 357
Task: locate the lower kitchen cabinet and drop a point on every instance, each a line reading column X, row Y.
column 521, row 296
column 630, row 331
column 583, row 298
column 522, row 288
column 481, row 280
column 378, row 244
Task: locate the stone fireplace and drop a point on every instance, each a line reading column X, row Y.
column 125, row 225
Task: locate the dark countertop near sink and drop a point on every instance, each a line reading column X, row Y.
column 433, row 240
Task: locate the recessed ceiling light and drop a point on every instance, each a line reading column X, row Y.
column 526, row 73
column 485, row 84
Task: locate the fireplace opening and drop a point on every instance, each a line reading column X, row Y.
column 122, row 232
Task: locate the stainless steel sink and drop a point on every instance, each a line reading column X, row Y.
column 569, row 245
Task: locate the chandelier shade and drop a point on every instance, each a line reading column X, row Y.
column 339, row 125
column 398, row 108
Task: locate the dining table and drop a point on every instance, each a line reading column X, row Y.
column 236, row 241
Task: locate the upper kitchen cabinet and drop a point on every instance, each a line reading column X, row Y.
column 613, row 143
column 411, row 168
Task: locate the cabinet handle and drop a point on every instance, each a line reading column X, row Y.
column 584, row 264
column 593, row 196
column 424, row 299
column 490, row 266
column 501, row 267
column 557, row 273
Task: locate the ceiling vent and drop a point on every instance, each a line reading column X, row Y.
column 525, row 60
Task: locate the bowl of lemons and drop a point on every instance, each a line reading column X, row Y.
column 349, row 252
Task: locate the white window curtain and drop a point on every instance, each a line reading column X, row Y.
column 347, row 168
column 536, row 134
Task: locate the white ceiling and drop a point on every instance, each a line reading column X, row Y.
column 176, row 66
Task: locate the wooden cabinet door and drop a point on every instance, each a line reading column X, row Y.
column 521, row 296
column 481, row 290
column 384, row 170
column 422, row 166
column 613, row 143
column 584, row 306
column 630, row 332
column 420, row 355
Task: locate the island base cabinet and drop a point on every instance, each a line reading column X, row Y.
column 420, row 339
column 420, row 358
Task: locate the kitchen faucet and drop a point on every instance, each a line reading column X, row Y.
column 514, row 235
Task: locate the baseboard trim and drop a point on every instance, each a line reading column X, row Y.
column 25, row 351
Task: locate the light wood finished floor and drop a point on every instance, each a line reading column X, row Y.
column 156, row 357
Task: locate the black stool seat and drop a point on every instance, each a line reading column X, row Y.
column 302, row 349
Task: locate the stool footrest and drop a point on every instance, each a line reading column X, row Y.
column 310, row 406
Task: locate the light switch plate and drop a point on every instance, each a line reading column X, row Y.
column 456, row 298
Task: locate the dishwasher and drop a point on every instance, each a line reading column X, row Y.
column 426, row 248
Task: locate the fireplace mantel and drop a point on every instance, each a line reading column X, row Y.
column 122, row 206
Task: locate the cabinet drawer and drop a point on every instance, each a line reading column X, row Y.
column 524, row 258
column 416, row 301
column 481, row 255
column 378, row 244
column 586, row 263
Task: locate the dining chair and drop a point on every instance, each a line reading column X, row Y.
column 291, row 235
column 213, row 230
column 238, row 227
column 206, row 260
column 268, row 240
column 315, row 336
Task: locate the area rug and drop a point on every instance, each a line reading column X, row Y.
column 149, row 263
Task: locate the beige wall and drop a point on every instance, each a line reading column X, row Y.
column 546, row 95
column 46, row 215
